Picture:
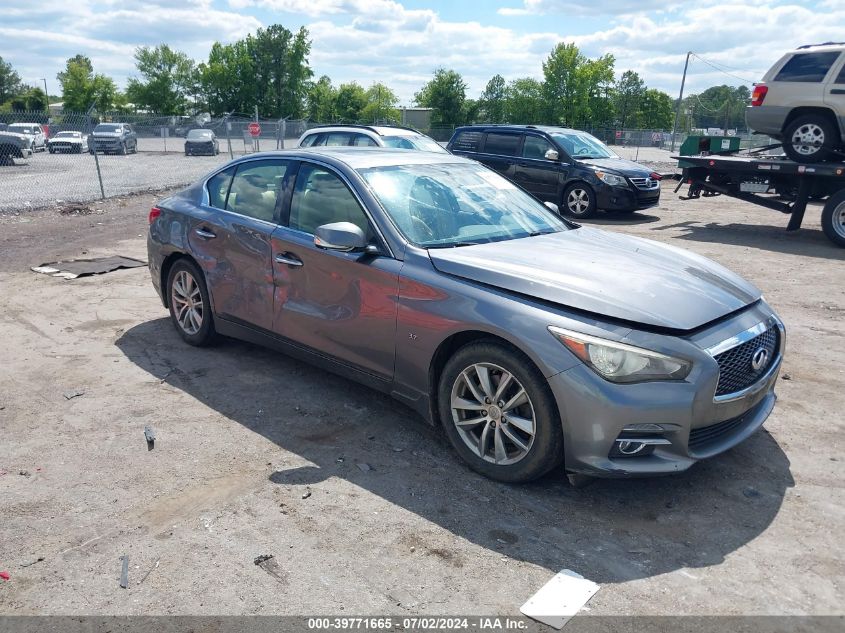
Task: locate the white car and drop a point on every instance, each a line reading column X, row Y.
column 68, row 142
column 369, row 136
column 34, row 134
column 801, row 102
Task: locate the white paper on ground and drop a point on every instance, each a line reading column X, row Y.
column 560, row 598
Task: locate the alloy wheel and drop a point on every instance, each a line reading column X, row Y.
column 808, row 139
column 187, row 302
column 493, row 414
column 578, row 201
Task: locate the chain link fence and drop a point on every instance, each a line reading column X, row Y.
column 156, row 158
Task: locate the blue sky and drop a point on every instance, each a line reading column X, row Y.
column 400, row 42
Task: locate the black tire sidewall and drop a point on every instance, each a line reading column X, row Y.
column 827, row 220
column 206, row 334
column 591, row 210
column 830, row 134
column 547, row 450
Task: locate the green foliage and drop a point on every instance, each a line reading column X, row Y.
column 656, row 110
column 10, row 82
column 493, row 100
column 446, row 94
column 81, row 87
column 320, row 101
column 381, row 104
column 628, row 94
column 350, row 102
column 168, row 80
column 718, row 106
column 524, row 101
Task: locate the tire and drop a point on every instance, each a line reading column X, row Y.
column 123, row 151
column 539, row 453
column 833, row 219
column 810, row 127
column 51, row 150
column 579, row 200
column 186, row 275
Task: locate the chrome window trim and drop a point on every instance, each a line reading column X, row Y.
column 744, row 337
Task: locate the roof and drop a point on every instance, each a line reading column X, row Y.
column 364, row 157
column 507, row 126
column 381, row 130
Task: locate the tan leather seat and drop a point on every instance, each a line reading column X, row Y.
column 325, row 200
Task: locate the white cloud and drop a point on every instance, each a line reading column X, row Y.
column 580, row 7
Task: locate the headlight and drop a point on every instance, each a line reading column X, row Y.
column 618, row 362
column 612, row 179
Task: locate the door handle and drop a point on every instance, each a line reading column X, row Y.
column 205, row 234
column 289, row 259
column 838, row 91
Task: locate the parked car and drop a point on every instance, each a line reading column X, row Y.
column 570, row 169
column 68, row 142
column 531, row 340
column 114, row 138
column 34, row 134
column 14, row 146
column 801, row 102
column 369, row 136
column 199, row 141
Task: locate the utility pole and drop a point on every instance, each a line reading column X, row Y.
column 680, row 100
column 96, row 159
column 46, row 97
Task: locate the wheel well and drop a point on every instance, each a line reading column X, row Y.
column 166, row 265
column 571, row 183
column 797, row 112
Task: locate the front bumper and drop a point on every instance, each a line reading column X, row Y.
column 200, row 148
column 594, row 413
column 626, row 199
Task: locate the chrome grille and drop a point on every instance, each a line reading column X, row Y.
column 736, row 371
column 645, row 183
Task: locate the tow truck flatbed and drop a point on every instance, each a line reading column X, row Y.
column 773, row 182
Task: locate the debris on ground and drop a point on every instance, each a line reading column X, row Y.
column 150, row 571
column 74, row 209
column 150, row 436
column 786, row 377
column 268, row 563
column 5, row 575
column 24, row 473
column 124, row 571
column 74, row 268
column 560, row 598
column 30, row 563
column 306, row 494
column 750, row 492
column 363, row 467
column 73, row 393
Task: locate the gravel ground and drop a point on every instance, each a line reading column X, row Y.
column 364, row 508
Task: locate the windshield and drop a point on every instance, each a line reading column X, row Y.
column 67, row 134
column 199, row 134
column 106, row 127
column 420, row 142
column 20, row 127
column 438, row 206
column 582, row 145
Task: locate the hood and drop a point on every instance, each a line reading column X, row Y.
column 14, row 135
column 65, row 139
column 106, row 134
column 605, row 273
column 620, row 165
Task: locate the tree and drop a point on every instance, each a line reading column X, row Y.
column 629, row 91
column 321, row 100
column 168, row 80
column 225, row 81
column 381, row 104
column 656, row 112
column 81, row 87
column 492, row 100
column 446, row 94
column 30, row 100
column 10, row 82
column 562, row 87
column 524, row 101
column 718, row 106
column 596, row 79
column 350, row 102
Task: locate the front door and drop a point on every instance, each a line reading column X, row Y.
column 232, row 240
column 537, row 174
column 341, row 304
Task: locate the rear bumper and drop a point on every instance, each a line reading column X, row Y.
column 766, row 119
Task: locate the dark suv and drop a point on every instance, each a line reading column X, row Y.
column 571, row 169
column 113, row 138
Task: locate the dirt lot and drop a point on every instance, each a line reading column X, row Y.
column 364, row 508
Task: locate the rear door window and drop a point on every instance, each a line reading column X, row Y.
column 218, row 188
column 807, row 67
column 312, row 140
column 501, row 144
column 362, row 140
column 256, row 188
column 338, row 138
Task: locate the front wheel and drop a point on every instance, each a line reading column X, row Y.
column 190, row 308
column 833, row 219
column 499, row 414
column 579, row 200
column 123, row 151
column 810, row 138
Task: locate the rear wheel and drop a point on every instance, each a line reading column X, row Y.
column 833, row 219
column 499, row 414
column 190, row 308
column 810, row 138
column 579, row 200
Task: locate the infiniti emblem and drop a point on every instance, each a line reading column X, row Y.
column 758, row 360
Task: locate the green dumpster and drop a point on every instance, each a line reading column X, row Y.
column 696, row 145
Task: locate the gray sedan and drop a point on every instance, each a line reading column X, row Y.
column 532, row 341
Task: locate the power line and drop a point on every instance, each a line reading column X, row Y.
column 712, row 65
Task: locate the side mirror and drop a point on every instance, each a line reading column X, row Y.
column 551, row 154
column 551, row 206
column 340, row 236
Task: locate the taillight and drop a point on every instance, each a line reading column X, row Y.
column 759, row 94
column 154, row 213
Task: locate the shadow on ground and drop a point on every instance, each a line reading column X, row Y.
column 613, row 218
column 611, row 531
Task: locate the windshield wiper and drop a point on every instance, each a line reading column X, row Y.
column 453, row 245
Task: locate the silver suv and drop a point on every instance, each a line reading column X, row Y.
column 801, row 102
column 369, row 136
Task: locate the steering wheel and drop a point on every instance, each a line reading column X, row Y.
column 583, row 150
column 419, row 225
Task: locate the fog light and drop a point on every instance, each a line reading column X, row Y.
column 637, row 446
column 627, row 447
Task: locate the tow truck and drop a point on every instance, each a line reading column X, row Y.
column 771, row 181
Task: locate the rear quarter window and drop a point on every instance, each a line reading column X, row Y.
column 807, row 67
column 502, row 144
column 469, row 141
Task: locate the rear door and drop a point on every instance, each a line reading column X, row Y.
column 500, row 152
column 337, row 303
column 534, row 172
column 232, row 240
